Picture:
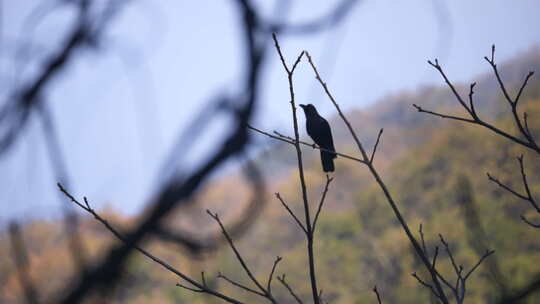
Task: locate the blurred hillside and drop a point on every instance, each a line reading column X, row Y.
column 434, row 168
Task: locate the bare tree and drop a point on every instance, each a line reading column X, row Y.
column 525, row 138
column 367, row 159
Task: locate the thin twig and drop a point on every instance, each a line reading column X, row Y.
column 449, row 252
column 375, row 147
column 529, row 141
column 495, row 70
column 189, row 288
column 236, row 252
column 526, row 184
column 524, row 219
column 487, row 254
column 529, row 75
column 434, row 264
column 422, row 239
column 291, row 212
column 427, row 285
column 377, row 293
column 239, row 285
column 270, row 277
column 328, row 181
column 422, row 110
column 290, row 140
column 314, row 146
column 203, row 279
column 526, row 122
column 282, row 280
column 320, row 296
column 450, row 85
column 460, row 286
column 505, row 187
column 528, row 197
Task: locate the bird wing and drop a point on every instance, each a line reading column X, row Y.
column 319, row 130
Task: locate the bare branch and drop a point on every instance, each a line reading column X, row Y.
column 526, row 122
column 524, row 219
column 456, row 94
column 531, row 73
column 526, row 184
column 449, row 252
column 529, row 142
column 331, row 97
column 278, row 48
column 434, row 260
column 487, row 254
column 528, row 197
column 425, row 284
column 270, row 277
column 189, row 288
column 282, row 280
column 459, row 288
column 297, row 61
column 377, row 293
column 505, row 187
column 471, row 102
column 495, row 70
column 291, row 212
column 203, row 279
column 222, row 276
column 155, row 259
column 375, row 147
column 434, row 263
column 422, row 110
column 328, row 181
column 236, row 252
column 314, row 146
column 422, row 240
column 290, row 140
column 320, row 297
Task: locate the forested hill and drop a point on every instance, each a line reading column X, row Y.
column 434, row 168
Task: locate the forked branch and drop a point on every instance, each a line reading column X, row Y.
column 459, row 288
column 526, row 197
column 527, row 141
column 307, row 213
column 198, row 287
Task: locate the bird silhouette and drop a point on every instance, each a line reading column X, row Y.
column 319, row 130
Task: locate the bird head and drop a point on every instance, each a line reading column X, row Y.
column 308, row 109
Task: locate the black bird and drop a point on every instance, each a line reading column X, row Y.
column 319, row 130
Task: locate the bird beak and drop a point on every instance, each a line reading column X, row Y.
column 302, row 106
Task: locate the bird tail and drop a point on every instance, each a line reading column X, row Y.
column 327, row 159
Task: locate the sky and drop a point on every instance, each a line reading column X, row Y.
column 118, row 107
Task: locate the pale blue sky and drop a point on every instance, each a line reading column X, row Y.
column 122, row 105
